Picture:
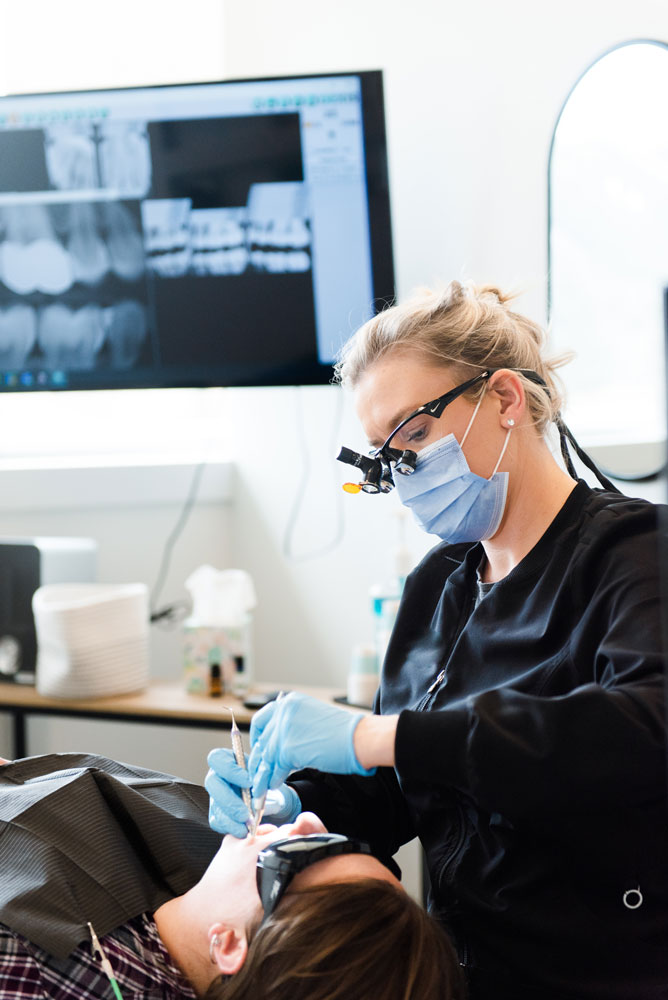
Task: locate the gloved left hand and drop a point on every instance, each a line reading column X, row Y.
column 299, row 731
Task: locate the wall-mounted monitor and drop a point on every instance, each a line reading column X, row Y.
column 230, row 233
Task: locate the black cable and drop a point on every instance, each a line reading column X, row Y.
column 565, row 453
column 566, row 436
column 177, row 611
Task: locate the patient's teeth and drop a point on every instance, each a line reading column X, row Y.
column 70, row 338
column 124, row 241
column 298, row 260
column 125, row 323
column 219, row 240
column 70, row 156
column 279, row 234
column 125, row 158
column 52, row 265
column 43, row 265
column 16, row 268
column 237, row 260
column 31, row 258
column 167, row 235
column 297, row 234
column 90, row 259
column 18, row 325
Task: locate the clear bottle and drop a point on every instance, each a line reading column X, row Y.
column 385, row 597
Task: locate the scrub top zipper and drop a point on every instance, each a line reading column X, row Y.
column 428, row 698
column 437, row 682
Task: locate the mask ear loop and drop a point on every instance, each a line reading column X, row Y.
column 470, row 424
column 475, row 414
column 503, row 451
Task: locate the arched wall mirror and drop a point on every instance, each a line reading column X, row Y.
column 608, row 256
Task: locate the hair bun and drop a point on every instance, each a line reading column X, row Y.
column 491, row 291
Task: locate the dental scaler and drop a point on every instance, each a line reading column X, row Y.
column 240, row 757
column 259, row 812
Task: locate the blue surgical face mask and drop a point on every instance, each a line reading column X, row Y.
column 449, row 500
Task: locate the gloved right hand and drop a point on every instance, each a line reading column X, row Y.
column 227, row 811
column 300, row 731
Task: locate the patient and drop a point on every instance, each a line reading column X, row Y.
column 177, row 914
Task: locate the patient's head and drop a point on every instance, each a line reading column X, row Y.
column 345, row 928
column 346, row 941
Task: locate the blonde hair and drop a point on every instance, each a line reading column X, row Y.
column 461, row 326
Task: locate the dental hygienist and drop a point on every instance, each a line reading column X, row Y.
column 520, row 728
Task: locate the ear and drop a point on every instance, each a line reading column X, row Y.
column 509, row 393
column 228, row 948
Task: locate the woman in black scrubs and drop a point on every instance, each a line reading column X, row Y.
column 519, row 729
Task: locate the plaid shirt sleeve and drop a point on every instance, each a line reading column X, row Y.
column 138, row 957
column 19, row 972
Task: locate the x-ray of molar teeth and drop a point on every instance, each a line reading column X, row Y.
column 125, row 326
column 124, row 240
column 265, row 256
column 167, row 235
column 218, row 239
column 32, row 258
column 279, row 233
column 70, row 338
column 125, row 158
column 71, row 159
column 90, row 257
column 18, row 330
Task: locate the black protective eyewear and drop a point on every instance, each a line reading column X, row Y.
column 278, row 864
column 432, row 409
column 379, row 466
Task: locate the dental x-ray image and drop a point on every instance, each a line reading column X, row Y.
column 271, row 233
column 114, row 155
column 72, row 294
column 206, row 234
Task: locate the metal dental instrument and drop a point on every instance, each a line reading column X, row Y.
column 258, row 815
column 240, row 757
column 96, row 948
column 263, row 799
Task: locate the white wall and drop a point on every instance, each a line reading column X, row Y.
column 472, row 94
column 473, row 91
column 77, row 44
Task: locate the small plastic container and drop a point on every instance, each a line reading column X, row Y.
column 363, row 678
column 228, row 646
column 92, row 639
column 218, row 632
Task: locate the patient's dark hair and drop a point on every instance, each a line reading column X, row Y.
column 346, row 941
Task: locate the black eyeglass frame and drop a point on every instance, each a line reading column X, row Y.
column 434, row 408
column 380, row 463
column 377, row 467
column 278, row 863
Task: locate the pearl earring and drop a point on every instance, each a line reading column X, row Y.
column 510, row 422
column 213, row 943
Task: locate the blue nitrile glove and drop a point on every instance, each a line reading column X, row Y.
column 227, row 812
column 224, row 781
column 282, row 805
column 299, row 731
